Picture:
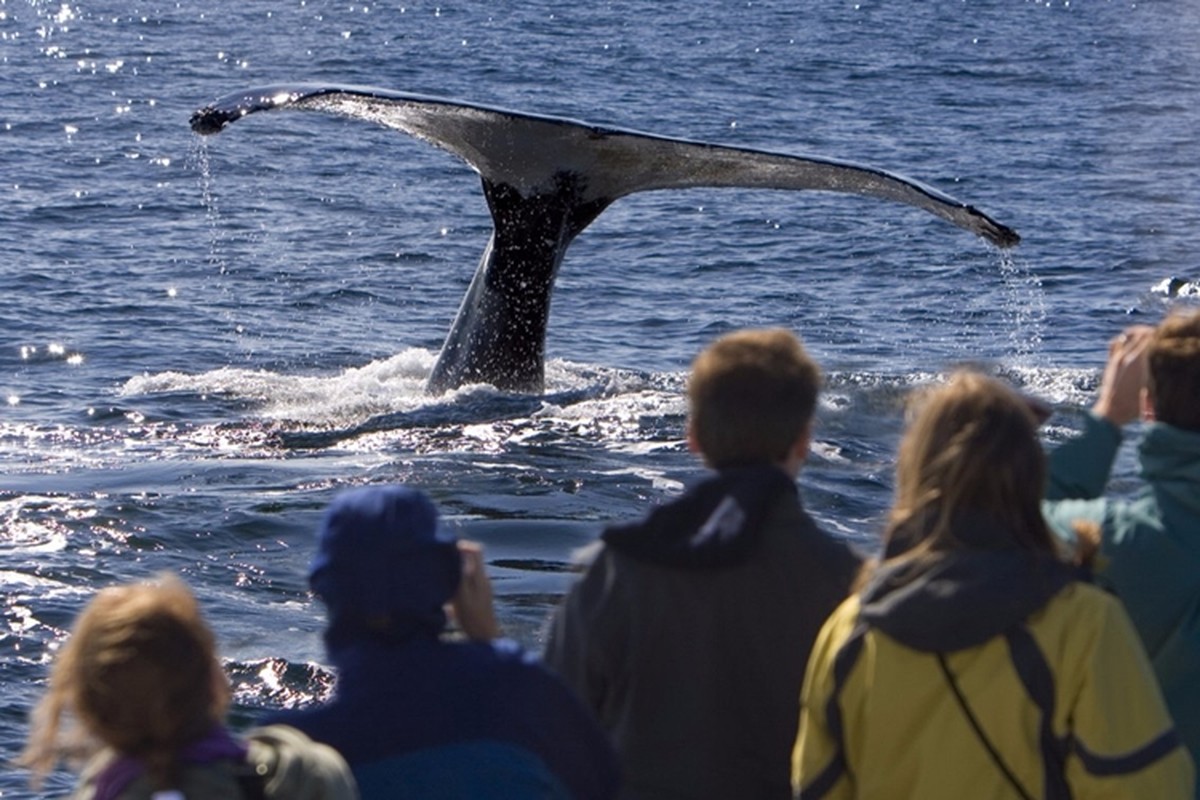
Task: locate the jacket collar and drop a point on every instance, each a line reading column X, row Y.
column 961, row 598
column 716, row 523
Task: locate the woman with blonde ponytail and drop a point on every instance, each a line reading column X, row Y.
column 138, row 691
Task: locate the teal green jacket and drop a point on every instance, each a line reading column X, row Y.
column 1150, row 550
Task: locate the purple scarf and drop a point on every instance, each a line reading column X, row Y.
column 218, row 745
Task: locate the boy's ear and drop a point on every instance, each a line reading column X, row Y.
column 803, row 442
column 1147, row 405
column 692, row 443
column 798, row 452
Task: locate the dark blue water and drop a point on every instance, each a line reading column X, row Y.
column 203, row 341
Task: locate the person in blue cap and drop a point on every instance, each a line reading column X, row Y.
column 414, row 713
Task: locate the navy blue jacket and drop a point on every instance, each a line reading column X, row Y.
column 435, row 719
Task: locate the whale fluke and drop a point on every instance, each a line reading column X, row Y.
column 545, row 180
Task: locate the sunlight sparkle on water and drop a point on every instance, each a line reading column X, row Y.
column 31, row 527
column 271, row 674
column 65, row 14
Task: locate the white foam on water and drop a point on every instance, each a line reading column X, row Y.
column 357, row 393
column 38, row 524
column 1060, row 386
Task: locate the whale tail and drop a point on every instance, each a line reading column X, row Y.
column 545, row 180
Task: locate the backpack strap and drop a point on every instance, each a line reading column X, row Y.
column 1038, row 681
column 979, row 733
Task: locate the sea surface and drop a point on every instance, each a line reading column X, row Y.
column 202, row 341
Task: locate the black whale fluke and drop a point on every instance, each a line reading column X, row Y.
column 210, row 120
column 545, row 180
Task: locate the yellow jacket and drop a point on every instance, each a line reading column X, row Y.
column 880, row 719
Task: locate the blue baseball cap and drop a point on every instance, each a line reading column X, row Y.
column 380, row 558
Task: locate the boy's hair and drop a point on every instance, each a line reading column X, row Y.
column 752, row 394
column 1174, row 362
column 140, row 673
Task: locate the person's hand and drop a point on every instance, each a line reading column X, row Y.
column 1124, row 376
column 472, row 603
column 1087, row 544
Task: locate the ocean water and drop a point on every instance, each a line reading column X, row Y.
column 204, row 340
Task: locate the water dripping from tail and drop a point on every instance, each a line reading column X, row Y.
column 1024, row 303
column 199, row 159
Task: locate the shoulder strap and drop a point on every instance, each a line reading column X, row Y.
column 975, row 726
column 1038, row 680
